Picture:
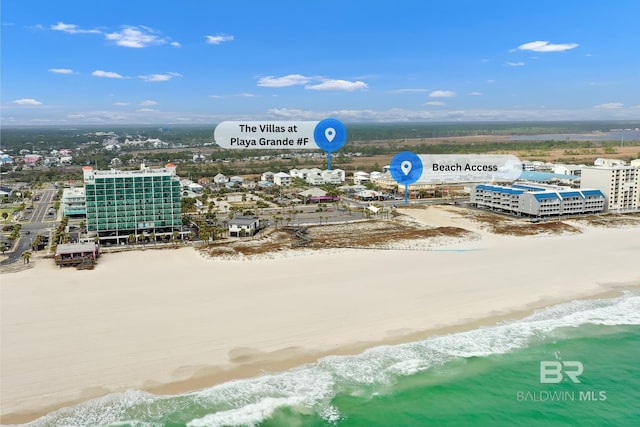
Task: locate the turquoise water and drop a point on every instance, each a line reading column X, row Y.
column 484, row 377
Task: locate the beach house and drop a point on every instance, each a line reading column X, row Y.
column 241, row 225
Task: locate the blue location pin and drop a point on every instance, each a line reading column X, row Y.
column 406, row 167
column 330, row 135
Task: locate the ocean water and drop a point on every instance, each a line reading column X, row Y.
column 491, row 376
column 614, row 135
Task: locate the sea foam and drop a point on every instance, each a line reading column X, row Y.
column 310, row 388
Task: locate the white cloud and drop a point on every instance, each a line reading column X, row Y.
column 78, row 116
column 218, row 39
column 442, row 94
column 60, row 70
column 120, row 104
column 27, row 101
column 515, row 64
column 284, row 81
column 409, row 90
column 610, row 106
column 148, row 102
column 146, row 110
column 294, row 114
column 107, row 74
column 72, row 29
column 135, row 37
column 338, row 85
column 545, row 46
column 33, row 115
column 477, row 93
column 129, row 36
column 246, row 95
column 434, row 103
column 299, row 79
column 160, row 77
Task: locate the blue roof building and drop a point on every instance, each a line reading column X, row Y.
column 538, row 200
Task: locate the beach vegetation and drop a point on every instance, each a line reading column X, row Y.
column 36, row 243
column 188, row 204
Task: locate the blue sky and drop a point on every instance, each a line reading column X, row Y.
column 202, row 62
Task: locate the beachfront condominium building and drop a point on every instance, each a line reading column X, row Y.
column 538, row 200
column 124, row 203
column 620, row 184
column 74, row 201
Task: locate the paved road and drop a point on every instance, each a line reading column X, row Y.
column 36, row 225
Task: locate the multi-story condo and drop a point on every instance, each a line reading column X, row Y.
column 538, row 200
column 73, row 201
column 620, row 184
column 124, row 203
column 315, row 176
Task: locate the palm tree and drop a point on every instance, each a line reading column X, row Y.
column 152, row 236
column 3, row 247
column 5, row 215
column 132, row 239
column 221, row 231
column 36, row 242
column 26, row 255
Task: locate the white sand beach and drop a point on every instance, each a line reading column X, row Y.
column 171, row 320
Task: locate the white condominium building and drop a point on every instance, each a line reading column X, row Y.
column 537, row 200
column 620, row 185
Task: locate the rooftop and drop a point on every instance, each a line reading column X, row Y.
column 73, row 248
column 243, row 220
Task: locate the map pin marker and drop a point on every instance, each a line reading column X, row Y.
column 406, row 167
column 330, row 133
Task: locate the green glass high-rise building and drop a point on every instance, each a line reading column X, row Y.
column 121, row 203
